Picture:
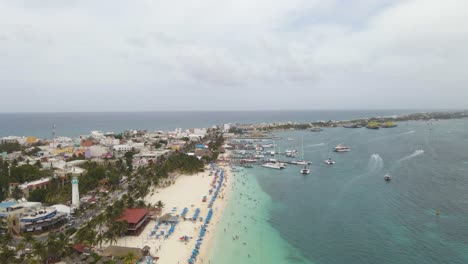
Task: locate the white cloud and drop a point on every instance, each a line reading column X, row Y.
column 334, row 50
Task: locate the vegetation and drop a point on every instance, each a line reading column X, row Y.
column 389, row 124
column 9, row 147
column 373, row 125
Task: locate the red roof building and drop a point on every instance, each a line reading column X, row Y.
column 137, row 219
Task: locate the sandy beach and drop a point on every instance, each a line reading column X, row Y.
column 188, row 191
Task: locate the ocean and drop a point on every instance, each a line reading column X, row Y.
column 76, row 124
column 347, row 213
column 343, row 213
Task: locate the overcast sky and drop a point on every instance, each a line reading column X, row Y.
column 154, row 55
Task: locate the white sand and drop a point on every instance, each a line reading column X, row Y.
column 187, row 191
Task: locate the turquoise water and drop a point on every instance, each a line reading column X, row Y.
column 346, row 213
column 244, row 235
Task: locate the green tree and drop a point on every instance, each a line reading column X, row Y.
column 130, row 258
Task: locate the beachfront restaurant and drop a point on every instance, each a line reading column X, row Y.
column 137, row 218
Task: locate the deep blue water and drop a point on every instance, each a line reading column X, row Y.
column 75, row 124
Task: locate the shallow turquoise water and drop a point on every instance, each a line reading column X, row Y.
column 347, row 213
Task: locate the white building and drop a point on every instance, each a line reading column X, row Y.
column 226, row 127
column 122, row 148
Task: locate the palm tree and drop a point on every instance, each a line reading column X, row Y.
column 99, row 239
column 16, row 193
column 39, row 250
column 160, row 205
column 130, row 258
column 20, row 247
column 28, row 240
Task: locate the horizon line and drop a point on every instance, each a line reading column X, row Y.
column 238, row 110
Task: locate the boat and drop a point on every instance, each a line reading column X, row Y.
column 329, row 161
column 291, row 153
column 300, row 162
column 273, row 165
column 316, row 129
column 305, row 170
column 387, row 177
column 341, row 148
column 258, row 156
column 290, row 139
column 248, row 160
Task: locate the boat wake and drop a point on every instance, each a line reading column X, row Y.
column 375, row 163
column 415, row 154
column 315, row 145
column 406, row 133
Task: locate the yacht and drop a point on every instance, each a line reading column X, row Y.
column 258, row 156
column 305, row 170
column 341, row 148
column 387, row 177
column 300, row 162
column 273, row 165
column 329, row 161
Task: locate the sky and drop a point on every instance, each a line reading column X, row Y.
column 150, row 55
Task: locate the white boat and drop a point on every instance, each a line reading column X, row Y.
column 248, row 160
column 290, row 139
column 273, row 165
column 341, row 148
column 329, row 161
column 305, row 170
column 300, row 162
column 387, row 177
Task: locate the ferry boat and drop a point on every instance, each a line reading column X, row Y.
column 273, row 165
column 341, row 148
column 305, row 170
column 329, row 161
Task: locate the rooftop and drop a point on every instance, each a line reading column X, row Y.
column 133, row 216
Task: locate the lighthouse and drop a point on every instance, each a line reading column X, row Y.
column 75, row 193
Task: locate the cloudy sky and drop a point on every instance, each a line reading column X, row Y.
column 149, row 55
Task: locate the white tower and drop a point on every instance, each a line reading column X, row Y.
column 75, row 193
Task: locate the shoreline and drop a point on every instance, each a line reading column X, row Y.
column 187, row 191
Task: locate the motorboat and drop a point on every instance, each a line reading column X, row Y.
column 273, row 165
column 341, row 148
column 329, row 161
column 387, row 177
column 300, row 162
column 290, row 139
column 305, row 170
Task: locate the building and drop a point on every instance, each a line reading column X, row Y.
column 122, row 148
column 137, row 218
column 27, row 187
column 29, row 216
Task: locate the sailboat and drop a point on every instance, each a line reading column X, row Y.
column 301, row 161
column 305, row 170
